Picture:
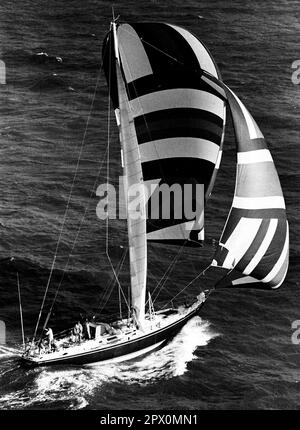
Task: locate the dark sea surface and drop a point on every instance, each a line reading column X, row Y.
column 238, row 354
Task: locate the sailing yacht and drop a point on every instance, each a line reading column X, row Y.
column 170, row 105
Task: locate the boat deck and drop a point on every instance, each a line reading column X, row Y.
column 68, row 348
column 126, row 340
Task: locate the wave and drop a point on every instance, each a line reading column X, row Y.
column 51, row 82
column 45, row 58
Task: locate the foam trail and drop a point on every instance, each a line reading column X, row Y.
column 171, row 360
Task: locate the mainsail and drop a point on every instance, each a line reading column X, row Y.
column 133, row 179
column 178, row 119
column 254, row 245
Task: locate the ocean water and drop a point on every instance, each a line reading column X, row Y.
column 239, row 353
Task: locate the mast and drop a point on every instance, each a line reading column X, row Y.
column 134, row 191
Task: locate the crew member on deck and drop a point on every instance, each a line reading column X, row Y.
column 41, row 347
column 134, row 317
column 78, row 330
column 49, row 334
column 87, row 329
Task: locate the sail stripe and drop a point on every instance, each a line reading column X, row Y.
column 177, row 147
column 252, row 157
column 244, row 280
column 204, row 59
column 177, row 98
column 269, row 258
column 178, row 123
column 255, row 213
column 280, row 261
column 282, row 274
column 282, row 271
column 255, row 181
column 166, row 80
column 256, row 144
column 186, row 167
column 264, row 245
column 133, row 55
column 249, row 254
column 266, row 202
column 240, row 240
column 163, row 132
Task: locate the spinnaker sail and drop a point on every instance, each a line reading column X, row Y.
column 254, row 245
column 178, row 119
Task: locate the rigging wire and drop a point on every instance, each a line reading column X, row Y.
column 83, row 217
column 110, row 286
column 68, row 203
column 190, row 283
column 74, row 243
column 168, row 272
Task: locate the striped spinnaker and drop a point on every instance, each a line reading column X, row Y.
column 179, row 119
column 254, row 245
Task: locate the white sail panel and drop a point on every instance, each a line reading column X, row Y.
column 177, row 146
column 252, row 157
column 218, row 162
column 133, row 56
column 177, row 98
column 265, row 202
column 244, row 280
